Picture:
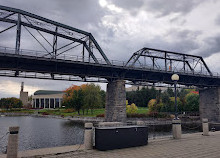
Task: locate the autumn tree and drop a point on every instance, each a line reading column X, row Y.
column 73, row 98
column 86, row 96
column 9, row 103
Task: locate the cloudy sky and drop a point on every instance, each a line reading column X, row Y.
column 122, row 27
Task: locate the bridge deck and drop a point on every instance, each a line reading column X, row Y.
column 53, row 67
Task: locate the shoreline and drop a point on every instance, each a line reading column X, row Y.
column 95, row 120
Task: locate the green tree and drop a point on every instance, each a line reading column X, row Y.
column 103, row 96
column 192, row 102
column 9, row 103
column 166, row 102
column 77, row 101
column 92, row 96
column 170, row 92
column 182, row 96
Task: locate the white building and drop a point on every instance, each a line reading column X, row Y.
column 47, row 99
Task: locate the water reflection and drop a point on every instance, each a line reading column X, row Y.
column 37, row 132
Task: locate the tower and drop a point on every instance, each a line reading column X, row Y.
column 22, row 86
column 23, row 95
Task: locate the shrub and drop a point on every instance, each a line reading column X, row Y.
column 151, row 104
column 131, row 109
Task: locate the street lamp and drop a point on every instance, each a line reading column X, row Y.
column 175, row 78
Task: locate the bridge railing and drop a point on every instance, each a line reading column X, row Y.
column 40, row 54
column 75, row 58
column 161, row 68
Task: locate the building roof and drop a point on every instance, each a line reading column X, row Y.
column 47, row 92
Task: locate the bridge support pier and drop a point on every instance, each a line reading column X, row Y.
column 115, row 109
column 209, row 104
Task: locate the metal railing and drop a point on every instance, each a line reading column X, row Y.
column 75, row 58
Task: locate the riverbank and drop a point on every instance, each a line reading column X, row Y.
column 95, row 120
column 66, row 112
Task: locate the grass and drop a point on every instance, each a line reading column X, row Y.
column 29, row 111
column 142, row 110
column 62, row 112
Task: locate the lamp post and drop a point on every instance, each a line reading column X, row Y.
column 175, row 78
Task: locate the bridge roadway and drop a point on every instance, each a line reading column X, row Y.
column 27, row 63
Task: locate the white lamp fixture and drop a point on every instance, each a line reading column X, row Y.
column 175, row 77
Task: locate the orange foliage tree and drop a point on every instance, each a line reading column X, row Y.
column 86, row 96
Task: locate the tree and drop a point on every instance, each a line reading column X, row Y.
column 92, row 96
column 103, row 96
column 141, row 97
column 73, row 98
column 192, row 102
column 166, row 102
column 10, row 103
column 170, row 92
column 182, row 96
column 77, row 101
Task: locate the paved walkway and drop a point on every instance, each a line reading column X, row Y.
column 190, row 146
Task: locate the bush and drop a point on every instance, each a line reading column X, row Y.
column 100, row 115
column 131, row 109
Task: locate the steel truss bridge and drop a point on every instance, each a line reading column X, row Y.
column 72, row 54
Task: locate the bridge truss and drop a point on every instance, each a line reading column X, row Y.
column 56, row 39
column 72, row 54
column 169, row 61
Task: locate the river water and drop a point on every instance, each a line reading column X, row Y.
column 38, row 132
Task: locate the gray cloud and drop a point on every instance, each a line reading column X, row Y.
column 71, row 12
column 183, row 34
column 159, row 7
column 212, row 46
column 132, row 6
column 163, row 8
column 118, row 44
column 217, row 20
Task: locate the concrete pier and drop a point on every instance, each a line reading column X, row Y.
column 12, row 148
column 176, row 127
column 205, row 126
column 209, row 104
column 115, row 109
column 88, row 136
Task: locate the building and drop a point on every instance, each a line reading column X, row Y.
column 23, row 96
column 47, row 99
column 134, row 88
